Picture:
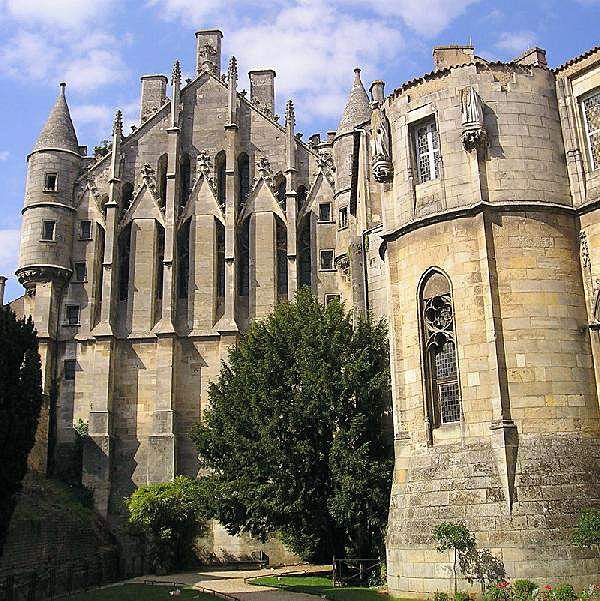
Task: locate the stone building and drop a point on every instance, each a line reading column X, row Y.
column 462, row 207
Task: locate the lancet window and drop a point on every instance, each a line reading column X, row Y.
column 591, row 115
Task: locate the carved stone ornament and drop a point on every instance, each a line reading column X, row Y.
column 584, row 250
column 381, row 156
column 474, row 134
column 327, row 166
column 342, row 264
column 206, row 170
column 30, row 276
column 265, row 172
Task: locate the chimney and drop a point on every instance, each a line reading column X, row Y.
column 262, row 89
column 314, row 140
column 2, row 284
column 208, row 51
column 154, row 95
column 533, row 56
column 453, row 55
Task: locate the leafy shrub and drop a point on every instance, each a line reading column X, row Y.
column 587, row 532
column 168, row 516
column 461, row 596
column 523, row 590
column 480, row 565
column 564, row 592
column 499, row 591
column 439, row 596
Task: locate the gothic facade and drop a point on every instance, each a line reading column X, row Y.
column 462, row 206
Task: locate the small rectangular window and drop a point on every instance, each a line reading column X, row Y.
column 330, row 298
column 325, row 211
column 80, row 270
column 326, row 257
column 51, row 182
column 85, row 229
column 69, row 369
column 343, row 218
column 427, row 150
column 48, row 228
column 72, row 314
column 591, row 115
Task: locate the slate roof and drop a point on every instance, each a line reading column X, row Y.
column 357, row 109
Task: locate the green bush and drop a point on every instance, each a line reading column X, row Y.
column 587, row 532
column 565, row 592
column 500, row 591
column 438, row 596
column 168, row 516
column 462, row 596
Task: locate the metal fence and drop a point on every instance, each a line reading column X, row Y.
column 61, row 580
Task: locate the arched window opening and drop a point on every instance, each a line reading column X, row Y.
column 124, row 252
column 244, row 259
column 300, row 199
column 220, row 175
column 98, row 272
column 304, row 252
column 160, row 257
column 441, row 368
column 244, row 178
column 127, row 195
column 183, row 259
column 220, row 260
column 161, row 178
column 282, row 262
column 281, row 187
column 184, row 180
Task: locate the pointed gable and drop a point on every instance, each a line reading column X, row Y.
column 357, row 108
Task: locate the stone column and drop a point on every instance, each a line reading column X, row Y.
column 2, row 285
column 263, row 264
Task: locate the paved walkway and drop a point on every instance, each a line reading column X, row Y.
column 232, row 582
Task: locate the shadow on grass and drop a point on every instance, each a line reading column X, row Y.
column 319, row 585
column 140, row 592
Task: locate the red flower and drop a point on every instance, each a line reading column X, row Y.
column 548, row 587
column 503, row 584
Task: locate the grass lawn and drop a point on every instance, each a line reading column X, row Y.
column 139, row 592
column 320, row 585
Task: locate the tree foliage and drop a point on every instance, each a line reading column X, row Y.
column 168, row 516
column 20, row 405
column 295, row 437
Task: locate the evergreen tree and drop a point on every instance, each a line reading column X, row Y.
column 295, row 435
column 20, row 404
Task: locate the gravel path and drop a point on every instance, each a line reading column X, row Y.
column 232, row 582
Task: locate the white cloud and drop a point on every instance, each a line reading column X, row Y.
column 4, row 154
column 67, row 14
column 516, row 42
column 426, row 17
column 9, row 251
column 48, row 33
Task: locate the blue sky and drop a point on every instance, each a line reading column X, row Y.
column 102, row 47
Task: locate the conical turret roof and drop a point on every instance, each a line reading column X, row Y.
column 357, row 109
column 58, row 132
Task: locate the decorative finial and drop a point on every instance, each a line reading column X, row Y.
column 176, row 76
column 118, row 123
column 357, row 72
column 62, row 85
column 232, row 70
column 290, row 117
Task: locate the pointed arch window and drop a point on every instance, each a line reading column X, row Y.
column 282, row 261
column 439, row 350
column 183, row 260
column 124, row 256
column 185, row 178
column 220, row 161
column 161, row 178
column 281, row 187
column 127, row 195
column 244, row 258
column 244, row 178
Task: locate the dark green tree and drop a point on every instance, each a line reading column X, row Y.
column 295, row 438
column 168, row 516
column 20, row 404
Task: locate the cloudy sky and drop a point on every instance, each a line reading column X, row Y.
column 101, row 48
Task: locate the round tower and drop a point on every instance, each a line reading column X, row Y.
column 47, row 230
column 348, row 247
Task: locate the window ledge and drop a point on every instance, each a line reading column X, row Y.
column 319, row 221
column 79, row 282
column 329, row 270
column 47, row 241
column 84, row 239
column 71, row 325
column 50, row 191
column 342, row 228
column 429, row 182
